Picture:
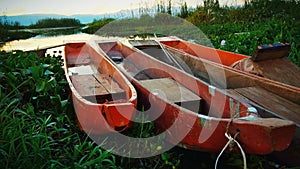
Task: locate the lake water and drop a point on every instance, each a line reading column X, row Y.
column 41, row 42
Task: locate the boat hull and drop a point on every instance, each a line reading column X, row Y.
column 204, row 130
column 96, row 113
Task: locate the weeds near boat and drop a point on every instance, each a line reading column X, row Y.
column 38, row 126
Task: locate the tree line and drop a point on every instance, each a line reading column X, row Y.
column 53, row 22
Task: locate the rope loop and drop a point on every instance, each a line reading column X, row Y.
column 230, row 143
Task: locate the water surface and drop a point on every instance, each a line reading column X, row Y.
column 48, row 42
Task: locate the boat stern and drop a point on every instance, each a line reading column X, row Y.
column 264, row 135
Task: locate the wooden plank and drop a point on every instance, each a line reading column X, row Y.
column 174, row 92
column 111, row 86
column 276, row 104
column 108, row 83
column 281, row 70
column 87, row 86
column 81, row 70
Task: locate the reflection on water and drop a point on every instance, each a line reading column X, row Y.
column 55, row 35
column 46, row 42
column 54, row 32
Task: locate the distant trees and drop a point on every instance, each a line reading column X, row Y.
column 211, row 4
column 96, row 25
column 169, row 11
column 161, row 8
column 184, row 13
column 5, row 24
column 5, row 30
column 181, row 11
column 52, row 23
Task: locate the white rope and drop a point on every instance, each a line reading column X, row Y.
column 230, row 141
column 234, row 113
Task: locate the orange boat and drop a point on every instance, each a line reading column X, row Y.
column 104, row 100
column 211, row 65
column 193, row 114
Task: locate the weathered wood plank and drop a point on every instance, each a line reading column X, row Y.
column 81, row 70
column 173, row 92
column 87, row 85
column 111, row 86
column 97, row 87
column 272, row 102
column 235, row 78
column 281, row 70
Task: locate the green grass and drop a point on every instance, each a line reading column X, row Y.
column 37, row 123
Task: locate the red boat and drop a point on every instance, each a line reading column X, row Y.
column 104, row 100
column 211, row 65
column 192, row 113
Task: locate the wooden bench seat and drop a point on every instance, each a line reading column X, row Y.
column 97, row 87
column 279, row 106
column 81, row 70
column 174, row 93
column 111, row 86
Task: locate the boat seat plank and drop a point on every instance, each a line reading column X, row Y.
column 111, row 86
column 81, row 70
column 92, row 89
column 87, row 85
column 173, row 92
column 276, row 104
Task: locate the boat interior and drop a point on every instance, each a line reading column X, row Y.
column 89, row 79
column 254, row 89
column 159, row 80
column 155, row 49
column 215, row 55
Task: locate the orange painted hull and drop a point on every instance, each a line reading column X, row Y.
column 95, row 117
column 204, row 129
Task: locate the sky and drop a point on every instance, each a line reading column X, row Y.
column 71, row 7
